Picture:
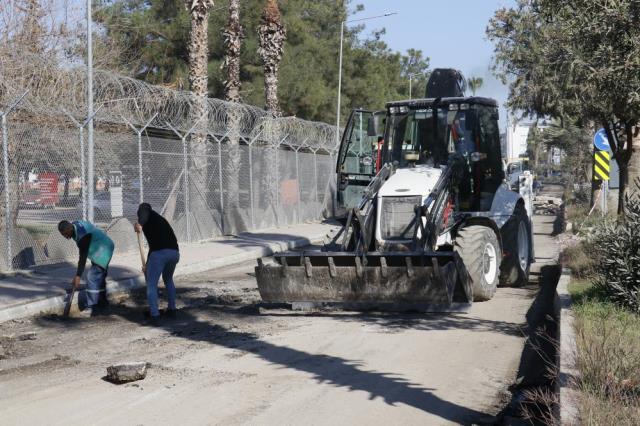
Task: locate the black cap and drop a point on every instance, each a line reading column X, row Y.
column 144, row 211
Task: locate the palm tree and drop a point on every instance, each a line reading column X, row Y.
column 198, row 45
column 475, row 83
column 272, row 35
column 198, row 84
column 233, row 36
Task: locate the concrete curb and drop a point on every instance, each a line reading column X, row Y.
column 114, row 288
column 567, row 394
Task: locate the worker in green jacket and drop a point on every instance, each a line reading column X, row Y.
column 94, row 244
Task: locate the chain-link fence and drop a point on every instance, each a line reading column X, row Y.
column 210, row 167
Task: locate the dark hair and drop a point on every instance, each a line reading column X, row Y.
column 64, row 225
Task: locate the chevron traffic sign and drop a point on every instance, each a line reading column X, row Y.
column 601, row 166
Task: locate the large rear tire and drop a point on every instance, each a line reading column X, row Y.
column 479, row 250
column 516, row 237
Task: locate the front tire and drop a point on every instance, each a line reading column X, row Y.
column 517, row 241
column 479, row 250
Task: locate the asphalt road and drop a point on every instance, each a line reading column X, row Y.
column 225, row 361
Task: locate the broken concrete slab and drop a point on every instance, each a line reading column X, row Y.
column 128, row 372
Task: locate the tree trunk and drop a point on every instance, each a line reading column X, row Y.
column 272, row 35
column 198, row 51
column 197, row 168
column 233, row 36
column 271, row 92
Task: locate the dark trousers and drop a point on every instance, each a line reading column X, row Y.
column 96, row 292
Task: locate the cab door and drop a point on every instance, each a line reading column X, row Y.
column 358, row 157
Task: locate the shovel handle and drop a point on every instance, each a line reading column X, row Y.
column 67, row 305
column 142, row 256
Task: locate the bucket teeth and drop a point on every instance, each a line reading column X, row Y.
column 332, row 267
column 409, row 266
column 393, row 279
column 358, row 267
column 307, row 267
column 384, row 272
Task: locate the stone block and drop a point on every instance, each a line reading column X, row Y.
column 128, row 372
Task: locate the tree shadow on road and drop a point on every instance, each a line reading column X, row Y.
column 324, row 369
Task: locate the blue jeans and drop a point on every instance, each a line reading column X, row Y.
column 161, row 262
column 96, row 291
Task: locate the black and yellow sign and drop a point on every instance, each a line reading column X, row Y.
column 601, row 165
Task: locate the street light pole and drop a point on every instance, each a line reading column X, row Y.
column 410, row 78
column 90, row 146
column 339, row 84
column 340, row 66
column 411, row 82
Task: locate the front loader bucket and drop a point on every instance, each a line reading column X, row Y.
column 387, row 281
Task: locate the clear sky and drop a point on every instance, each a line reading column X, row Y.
column 450, row 32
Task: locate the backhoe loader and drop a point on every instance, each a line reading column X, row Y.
column 429, row 222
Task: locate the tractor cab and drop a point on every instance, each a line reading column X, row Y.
column 433, row 133
column 359, row 157
column 443, row 129
column 449, row 132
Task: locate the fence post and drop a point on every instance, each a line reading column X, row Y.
column 7, row 198
column 315, row 173
column 8, row 228
column 220, row 183
column 83, row 172
column 83, row 168
column 139, row 133
column 298, row 183
column 250, row 144
column 253, row 221
column 277, row 148
column 186, row 186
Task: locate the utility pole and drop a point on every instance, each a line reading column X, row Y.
column 90, row 145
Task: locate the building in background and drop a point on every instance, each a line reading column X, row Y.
column 516, row 140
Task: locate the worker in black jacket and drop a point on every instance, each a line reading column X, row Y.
column 162, row 259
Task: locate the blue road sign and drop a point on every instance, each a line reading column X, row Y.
column 600, row 140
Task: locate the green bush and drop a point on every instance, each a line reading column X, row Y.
column 617, row 261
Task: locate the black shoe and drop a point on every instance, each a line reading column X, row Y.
column 154, row 321
column 171, row 313
column 97, row 310
column 147, row 313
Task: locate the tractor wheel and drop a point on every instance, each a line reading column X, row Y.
column 479, row 250
column 516, row 238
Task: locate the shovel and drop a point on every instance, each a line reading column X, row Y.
column 67, row 305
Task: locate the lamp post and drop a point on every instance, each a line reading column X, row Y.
column 340, row 65
column 410, row 81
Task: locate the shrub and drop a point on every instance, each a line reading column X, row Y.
column 579, row 258
column 608, row 359
column 617, row 261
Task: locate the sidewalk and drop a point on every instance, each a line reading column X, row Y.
column 43, row 289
